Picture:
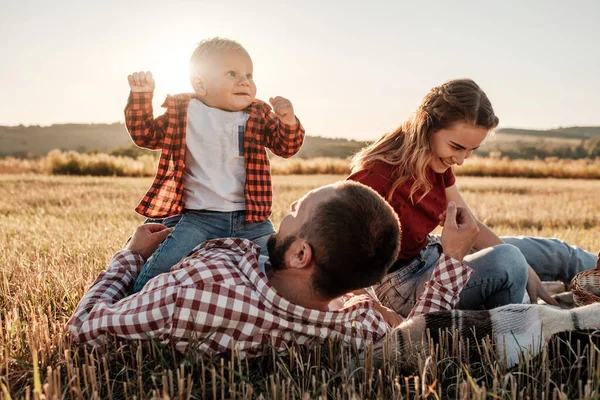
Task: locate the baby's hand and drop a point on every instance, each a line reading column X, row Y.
column 141, row 81
column 283, row 109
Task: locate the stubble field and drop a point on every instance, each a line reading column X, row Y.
column 57, row 233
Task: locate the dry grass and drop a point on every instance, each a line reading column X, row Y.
column 73, row 163
column 13, row 165
column 57, row 233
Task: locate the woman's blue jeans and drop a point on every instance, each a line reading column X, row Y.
column 500, row 272
column 193, row 227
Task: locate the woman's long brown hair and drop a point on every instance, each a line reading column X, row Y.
column 408, row 147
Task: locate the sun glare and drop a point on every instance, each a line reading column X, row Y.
column 171, row 71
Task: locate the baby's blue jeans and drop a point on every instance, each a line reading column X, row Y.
column 193, row 227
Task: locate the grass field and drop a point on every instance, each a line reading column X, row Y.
column 57, row 233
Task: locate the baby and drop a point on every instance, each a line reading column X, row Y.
column 213, row 178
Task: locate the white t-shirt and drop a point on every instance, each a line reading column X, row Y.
column 214, row 173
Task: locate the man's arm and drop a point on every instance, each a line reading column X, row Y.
column 284, row 132
column 442, row 290
column 105, row 307
column 145, row 131
column 450, row 273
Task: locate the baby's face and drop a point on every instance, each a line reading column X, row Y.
column 228, row 82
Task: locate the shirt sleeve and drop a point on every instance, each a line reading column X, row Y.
column 106, row 309
column 374, row 178
column 282, row 139
column 144, row 129
column 442, row 290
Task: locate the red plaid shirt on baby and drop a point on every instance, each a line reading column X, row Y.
column 167, row 133
column 218, row 299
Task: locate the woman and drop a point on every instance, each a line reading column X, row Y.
column 411, row 168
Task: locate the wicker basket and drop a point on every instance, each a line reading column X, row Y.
column 583, row 282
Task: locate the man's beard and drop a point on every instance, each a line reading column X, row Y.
column 277, row 248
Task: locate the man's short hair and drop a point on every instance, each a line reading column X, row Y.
column 355, row 237
column 207, row 49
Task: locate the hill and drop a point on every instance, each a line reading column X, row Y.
column 25, row 141
column 565, row 142
column 21, row 141
column 573, row 132
column 37, row 140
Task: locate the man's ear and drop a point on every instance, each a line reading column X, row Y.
column 198, row 85
column 300, row 254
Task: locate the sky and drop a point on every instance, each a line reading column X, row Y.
column 352, row 69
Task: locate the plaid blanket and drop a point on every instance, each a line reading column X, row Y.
column 513, row 331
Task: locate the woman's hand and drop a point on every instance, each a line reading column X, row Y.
column 389, row 315
column 535, row 289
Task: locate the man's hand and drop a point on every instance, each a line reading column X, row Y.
column 283, row 109
column 147, row 238
column 460, row 231
column 141, row 82
column 535, row 289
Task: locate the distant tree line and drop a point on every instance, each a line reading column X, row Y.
column 313, row 147
column 32, row 142
column 344, row 148
column 586, row 149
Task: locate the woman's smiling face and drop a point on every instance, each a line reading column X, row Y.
column 453, row 145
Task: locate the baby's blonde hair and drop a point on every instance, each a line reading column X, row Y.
column 207, row 49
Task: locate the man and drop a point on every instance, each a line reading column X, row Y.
column 336, row 240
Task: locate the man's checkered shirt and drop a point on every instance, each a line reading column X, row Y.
column 218, row 298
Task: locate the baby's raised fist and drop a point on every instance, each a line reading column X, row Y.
column 283, row 109
column 141, row 81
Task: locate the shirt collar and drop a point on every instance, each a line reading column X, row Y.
column 251, row 262
column 183, row 99
column 262, row 261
